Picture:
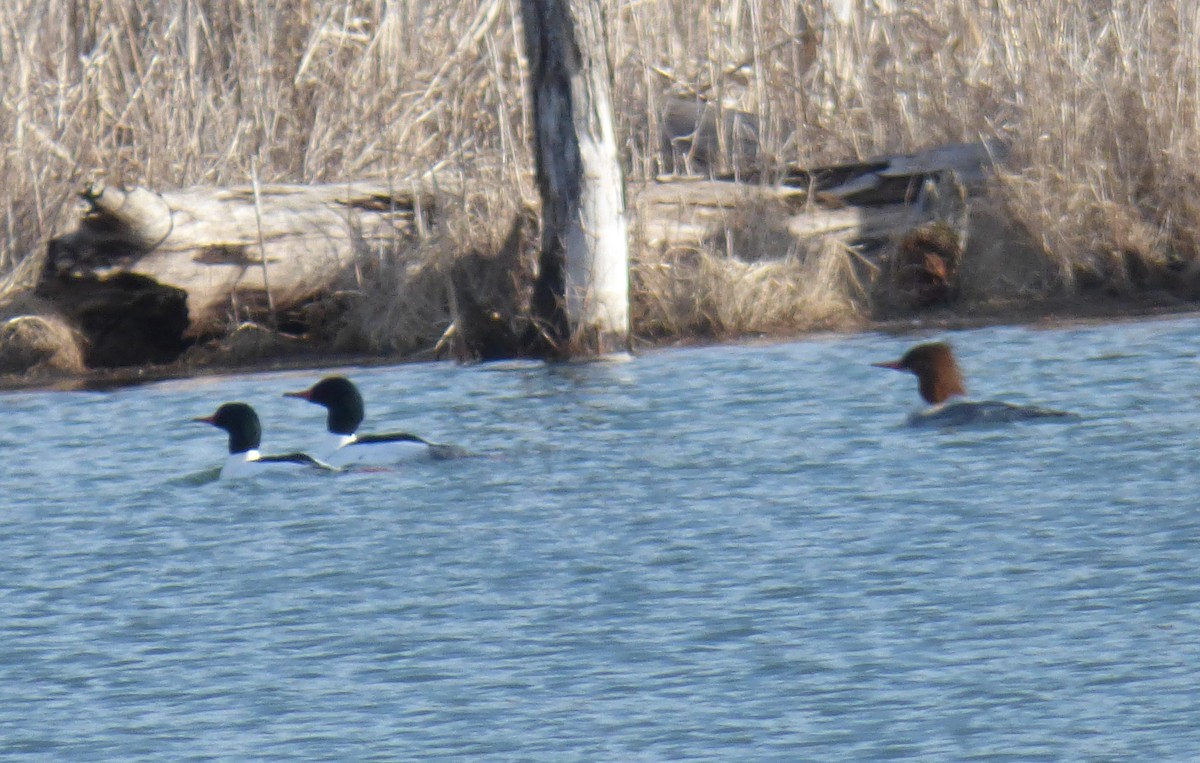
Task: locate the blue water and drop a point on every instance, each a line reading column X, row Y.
column 728, row 554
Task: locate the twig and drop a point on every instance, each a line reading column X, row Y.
column 262, row 247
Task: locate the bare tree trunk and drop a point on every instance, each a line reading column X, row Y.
column 581, row 296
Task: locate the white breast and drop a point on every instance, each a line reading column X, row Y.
column 352, row 453
column 242, row 465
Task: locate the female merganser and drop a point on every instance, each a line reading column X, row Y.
column 940, row 381
column 245, row 433
column 345, row 448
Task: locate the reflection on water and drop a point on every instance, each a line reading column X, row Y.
column 727, row 553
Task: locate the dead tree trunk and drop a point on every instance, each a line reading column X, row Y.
column 581, row 295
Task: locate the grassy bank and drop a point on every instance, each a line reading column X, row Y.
column 1098, row 102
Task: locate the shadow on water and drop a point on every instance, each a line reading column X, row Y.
column 196, row 479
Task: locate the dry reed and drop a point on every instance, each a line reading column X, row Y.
column 699, row 294
column 1098, row 100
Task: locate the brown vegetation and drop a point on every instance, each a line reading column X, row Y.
column 1097, row 101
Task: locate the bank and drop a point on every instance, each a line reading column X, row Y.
column 162, row 284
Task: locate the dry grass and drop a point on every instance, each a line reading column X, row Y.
column 36, row 341
column 1099, row 101
column 693, row 293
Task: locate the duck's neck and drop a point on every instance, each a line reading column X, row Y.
column 235, row 464
column 334, row 441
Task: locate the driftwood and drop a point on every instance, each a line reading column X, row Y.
column 688, row 213
column 226, row 251
column 849, row 202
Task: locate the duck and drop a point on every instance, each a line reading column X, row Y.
column 940, row 383
column 241, row 422
column 345, row 447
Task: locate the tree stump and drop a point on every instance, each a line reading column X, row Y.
column 581, row 295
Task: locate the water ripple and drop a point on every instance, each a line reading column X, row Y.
column 733, row 553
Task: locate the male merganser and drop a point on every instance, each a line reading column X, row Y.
column 345, row 448
column 245, row 433
column 940, row 381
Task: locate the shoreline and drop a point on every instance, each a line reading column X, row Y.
column 1046, row 315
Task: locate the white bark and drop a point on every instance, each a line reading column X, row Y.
column 597, row 247
column 584, row 267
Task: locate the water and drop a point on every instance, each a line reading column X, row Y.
column 728, row 553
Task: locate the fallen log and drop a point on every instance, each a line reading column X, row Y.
column 850, row 201
column 689, row 213
column 226, row 249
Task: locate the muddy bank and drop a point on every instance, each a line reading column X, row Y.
column 257, row 350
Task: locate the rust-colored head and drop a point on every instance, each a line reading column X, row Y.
column 935, row 368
